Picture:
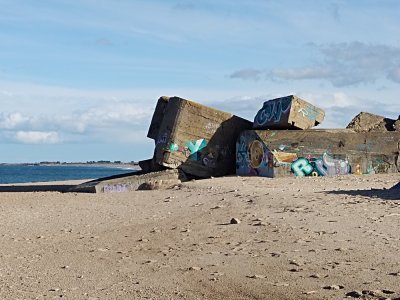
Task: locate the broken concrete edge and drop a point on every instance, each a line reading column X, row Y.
column 133, row 182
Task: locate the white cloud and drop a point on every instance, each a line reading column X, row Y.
column 342, row 64
column 37, row 137
column 12, row 120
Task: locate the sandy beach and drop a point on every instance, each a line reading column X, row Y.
column 297, row 238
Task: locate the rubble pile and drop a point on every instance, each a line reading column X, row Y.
column 193, row 141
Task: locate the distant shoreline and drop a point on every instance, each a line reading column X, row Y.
column 133, row 166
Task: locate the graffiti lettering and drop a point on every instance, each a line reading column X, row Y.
column 272, row 111
column 162, row 139
column 118, row 188
column 324, row 166
column 309, row 112
column 302, row 167
column 328, row 166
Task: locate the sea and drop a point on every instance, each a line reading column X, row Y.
column 23, row 173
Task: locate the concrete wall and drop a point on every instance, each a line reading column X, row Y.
column 274, row 153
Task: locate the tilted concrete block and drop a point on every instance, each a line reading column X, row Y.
column 289, row 112
column 274, row 153
column 198, row 139
column 126, row 183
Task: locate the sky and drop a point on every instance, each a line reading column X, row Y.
column 79, row 80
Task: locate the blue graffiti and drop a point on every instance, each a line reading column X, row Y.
column 272, row 111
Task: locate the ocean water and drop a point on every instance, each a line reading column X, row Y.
column 44, row 173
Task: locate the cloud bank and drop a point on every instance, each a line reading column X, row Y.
column 341, row 64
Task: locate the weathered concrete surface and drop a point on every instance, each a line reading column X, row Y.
column 274, row 153
column 117, row 184
column 195, row 138
column 289, row 112
column 367, row 122
column 397, row 125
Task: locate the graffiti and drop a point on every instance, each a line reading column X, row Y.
column 196, row 146
column 329, row 166
column 324, row 166
column 256, row 153
column 162, row 139
column 241, row 153
column 309, row 112
column 210, row 160
column 117, row 188
column 172, row 148
column 272, row 111
column 253, row 159
column 302, row 167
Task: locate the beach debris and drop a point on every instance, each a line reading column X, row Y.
column 310, row 292
column 367, row 122
column 288, row 112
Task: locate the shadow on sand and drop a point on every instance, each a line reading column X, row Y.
column 385, row 194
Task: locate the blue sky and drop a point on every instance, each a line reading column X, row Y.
column 79, row 79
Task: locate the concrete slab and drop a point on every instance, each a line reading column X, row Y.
column 132, row 182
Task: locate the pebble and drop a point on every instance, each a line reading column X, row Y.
column 195, row 268
column 354, row 294
column 309, row 292
column 235, row 221
column 333, row 287
column 256, row 276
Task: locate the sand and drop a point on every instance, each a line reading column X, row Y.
column 297, row 238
